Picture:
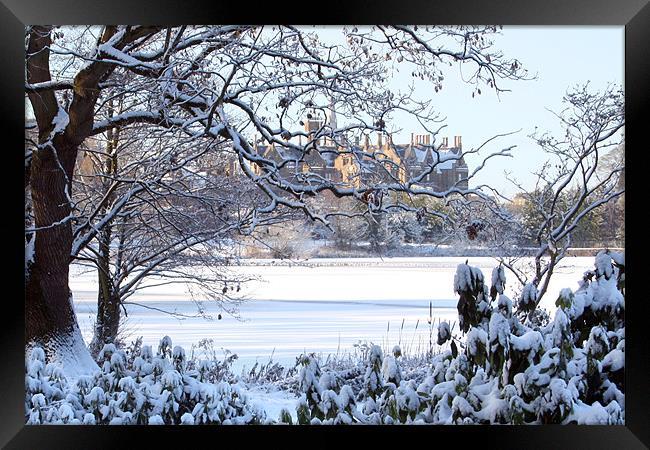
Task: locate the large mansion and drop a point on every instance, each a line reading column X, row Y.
column 354, row 164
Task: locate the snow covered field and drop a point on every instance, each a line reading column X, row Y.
column 325, row 308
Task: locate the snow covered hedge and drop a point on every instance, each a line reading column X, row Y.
column 512, row 365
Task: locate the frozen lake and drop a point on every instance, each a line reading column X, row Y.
column 324, row 309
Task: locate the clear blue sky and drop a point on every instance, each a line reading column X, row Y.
column 560, row 56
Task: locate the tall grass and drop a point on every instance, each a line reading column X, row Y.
column 412, row 349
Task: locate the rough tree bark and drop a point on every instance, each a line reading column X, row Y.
column 49, row 315
column 48, row 310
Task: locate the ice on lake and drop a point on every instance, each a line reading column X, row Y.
column 325, row 308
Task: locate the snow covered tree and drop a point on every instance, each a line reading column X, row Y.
column 206, row 83
column 572, row 185
column 136, row 177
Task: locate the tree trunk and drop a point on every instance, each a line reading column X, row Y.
column 49, row 314
column 108, row 301
column 107, row 321
column 48, row 306
column 48, row 309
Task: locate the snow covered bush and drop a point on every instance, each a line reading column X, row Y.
column 473, row 305
column 373, row 381
column 325, row 400
column 140, row 389
column 567, row 370
column 444, row 333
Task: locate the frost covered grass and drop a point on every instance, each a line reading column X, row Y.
column 505, row 364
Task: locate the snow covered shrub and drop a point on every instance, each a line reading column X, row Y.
column 528, row 299
column 395, row 400
column 223, row 403
column 141, row 389
column 561, row 336
column 156, row 420
column 96, row 404
column 498, row 282
column 521, row 368
column 36, row 413
column 346, row 406
column 309, row 383
column 212, row 367
column 165, row 347
column 285, row 417
column 525, row 350
column 179, row 359
column 556, row 402
column 112, row 364
column 168, row 400
column 303, row 412
column 373, row 383
column 55, row 382
column 473, row 305
column 539, row 371
column 444, row 333
column 390, row 369
column 504, row 305
column 326, row 400
column 404, row 403
column 499, row 342
column 35, row 374
column 476, row 346
column 600, row 299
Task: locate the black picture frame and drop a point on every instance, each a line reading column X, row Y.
column 15, row 14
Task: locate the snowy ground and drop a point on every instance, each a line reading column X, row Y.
column 323, row 309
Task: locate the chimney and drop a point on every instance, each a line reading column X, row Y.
column 367, row 142
column 412, row 134
column 445, row 142
column 457, row 141
column 379, row 140
column 428, row 139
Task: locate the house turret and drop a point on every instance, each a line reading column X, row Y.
column 313, row 123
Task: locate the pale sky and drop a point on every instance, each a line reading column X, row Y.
column 560, row 56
